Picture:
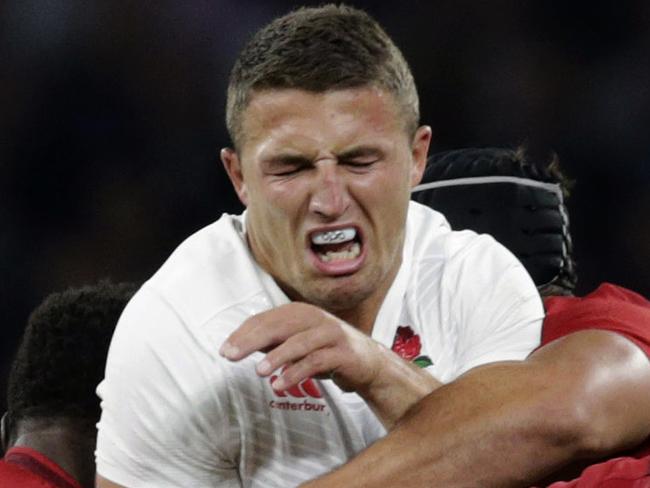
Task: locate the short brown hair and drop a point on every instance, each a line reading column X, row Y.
column 319, row 49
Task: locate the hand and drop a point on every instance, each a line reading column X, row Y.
column 306, row 341
column 309, row 342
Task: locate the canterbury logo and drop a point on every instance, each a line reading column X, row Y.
column 306, row 388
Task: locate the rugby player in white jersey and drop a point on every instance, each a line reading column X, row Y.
column 273, row 346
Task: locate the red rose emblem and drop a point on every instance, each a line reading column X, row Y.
column 406, row 343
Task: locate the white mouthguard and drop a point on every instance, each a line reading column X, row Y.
column 334, row 236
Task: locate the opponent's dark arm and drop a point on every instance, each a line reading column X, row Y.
column 512, row 423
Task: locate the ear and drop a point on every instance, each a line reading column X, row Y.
column 231, row 162
column 419, row 153
column 5, row 442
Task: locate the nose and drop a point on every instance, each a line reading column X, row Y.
column 330, row 198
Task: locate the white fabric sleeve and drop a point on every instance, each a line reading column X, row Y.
column 165, row 405
column 498, row 311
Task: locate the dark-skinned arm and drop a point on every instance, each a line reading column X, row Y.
column 512, row 423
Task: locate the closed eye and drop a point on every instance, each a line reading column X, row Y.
column 359, row 164
column 287, row 172
column 361, row 157
column 287, row 165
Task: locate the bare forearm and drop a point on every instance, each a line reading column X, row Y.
column 398, row 387
column 463, row 442
column 510, row 424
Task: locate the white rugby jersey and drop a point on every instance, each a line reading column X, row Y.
column 177, row 414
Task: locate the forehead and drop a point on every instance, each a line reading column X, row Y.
column 293, row 117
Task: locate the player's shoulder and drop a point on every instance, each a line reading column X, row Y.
column 26, row 467
column 608, row 307
column 609, row 291
column 447, row 264
column 211, row 270
column 434, row 240
column 213, row 245
column 605, row 296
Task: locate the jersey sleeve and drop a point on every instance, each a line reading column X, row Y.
column 494, row 305
column 165, row 405
column 609, row 307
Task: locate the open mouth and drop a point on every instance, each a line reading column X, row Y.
column 337, row 250
column 336, row 245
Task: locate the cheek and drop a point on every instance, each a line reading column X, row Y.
column 388, row 189
column 277, row 211
column 284, row 198
column 265, row 203
column 387, row 200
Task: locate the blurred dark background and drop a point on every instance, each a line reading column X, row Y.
column 111, row 119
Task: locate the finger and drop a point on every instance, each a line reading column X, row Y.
column 318, row 361
column 266, row 330
column 297, row 347
column 260, row 332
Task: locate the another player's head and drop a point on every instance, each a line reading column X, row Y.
column 499, row 192
column 323, row 112
column 52, row 405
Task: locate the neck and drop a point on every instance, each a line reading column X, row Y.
column 364, row 314
column 69, row 445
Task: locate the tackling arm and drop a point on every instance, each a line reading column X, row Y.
column 582, row 396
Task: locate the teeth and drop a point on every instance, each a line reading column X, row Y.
column 352, row 253
column 334, row 236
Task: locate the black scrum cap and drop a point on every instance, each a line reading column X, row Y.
column 494, row 191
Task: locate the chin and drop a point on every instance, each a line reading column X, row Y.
column 339, row 296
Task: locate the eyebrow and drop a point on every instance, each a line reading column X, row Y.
column 361, row 151
column 287, row 159
column 292, row 159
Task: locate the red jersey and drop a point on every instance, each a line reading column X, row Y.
column 619, row 310
column 610, row 307
column 23, row 467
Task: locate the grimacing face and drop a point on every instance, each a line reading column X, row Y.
column 326, row 179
